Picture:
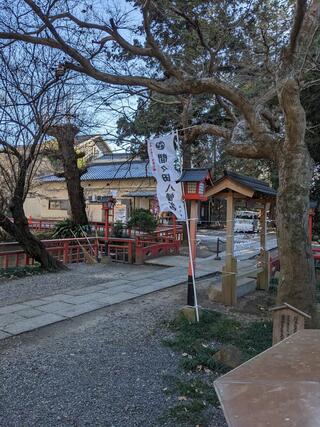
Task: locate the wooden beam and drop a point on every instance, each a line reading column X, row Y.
column 227, row 184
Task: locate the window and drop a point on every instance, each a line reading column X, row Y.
column 192, row 187
column 59, row 205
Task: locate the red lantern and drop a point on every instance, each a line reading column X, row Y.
column 195, row 183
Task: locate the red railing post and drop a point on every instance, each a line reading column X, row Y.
column 66, row 252
column 139, row 256
column 130, row 254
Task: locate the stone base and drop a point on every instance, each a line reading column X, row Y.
column 214, row 294
column 189, row 313
column 105, row 260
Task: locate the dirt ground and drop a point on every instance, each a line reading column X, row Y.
column 106, row 368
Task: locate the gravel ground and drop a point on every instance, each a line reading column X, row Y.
column 79, row 275
column 105, row 368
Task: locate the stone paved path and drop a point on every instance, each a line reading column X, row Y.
column 32, row 314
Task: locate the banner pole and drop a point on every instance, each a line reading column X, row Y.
column 191, row 260
column 191, row 263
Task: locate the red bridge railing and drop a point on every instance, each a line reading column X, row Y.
column 136, row 248
column 65, row 250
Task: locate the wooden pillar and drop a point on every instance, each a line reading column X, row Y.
column 263, row 277
column 106, row 223
column 230, row 225
column 229, row 271
column 193, row 238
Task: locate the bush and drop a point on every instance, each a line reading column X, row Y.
column 118, row 229
column 142, row 219
column 5, row 237
column 67, row 229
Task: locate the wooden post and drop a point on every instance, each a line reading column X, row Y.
column 193, row 238
column 263, row 278
column 229, row 271
column 230, row 225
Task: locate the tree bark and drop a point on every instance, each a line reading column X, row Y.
column 65, row 135
column 297, row 282
column 295, row 167
column 19, row 229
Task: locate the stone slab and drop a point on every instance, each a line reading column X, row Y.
column 77, row 310
column 33, row 323
column 81, row 299
column 5, row 319
column 11, row 308
column 116, row 290
column 29, row 312
column 4, row 335
column 114, row 299
column 148, row 289
column 55, row 307
column 35, row 303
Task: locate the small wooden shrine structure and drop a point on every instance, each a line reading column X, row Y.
column 287, row 320
column 232, row 187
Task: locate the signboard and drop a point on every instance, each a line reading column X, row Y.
column 287, row 320
column 166, row 169
column 120, row 212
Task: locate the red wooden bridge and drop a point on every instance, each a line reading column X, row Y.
column 136, row 248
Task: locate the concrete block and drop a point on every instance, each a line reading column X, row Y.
column 189, row 313
column 214, row 293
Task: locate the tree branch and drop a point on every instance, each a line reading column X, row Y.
column 209, row 129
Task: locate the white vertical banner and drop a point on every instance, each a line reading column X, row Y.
column 166, row 169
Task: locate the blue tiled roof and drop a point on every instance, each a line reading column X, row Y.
column 120, row 170
column 115, row 156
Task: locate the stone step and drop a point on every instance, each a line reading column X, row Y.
column 245, row 286
column 251, row 272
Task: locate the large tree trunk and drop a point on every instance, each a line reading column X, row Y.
column 65, row 135
column 19, row 229
column 295, row 166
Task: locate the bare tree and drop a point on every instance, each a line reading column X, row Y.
column 65, row 134
column 259, row 84
column 29, row 101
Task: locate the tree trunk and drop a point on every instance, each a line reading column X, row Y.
column 297, row 283
column 65, row 135
column 19, row 229
column 295, row 167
